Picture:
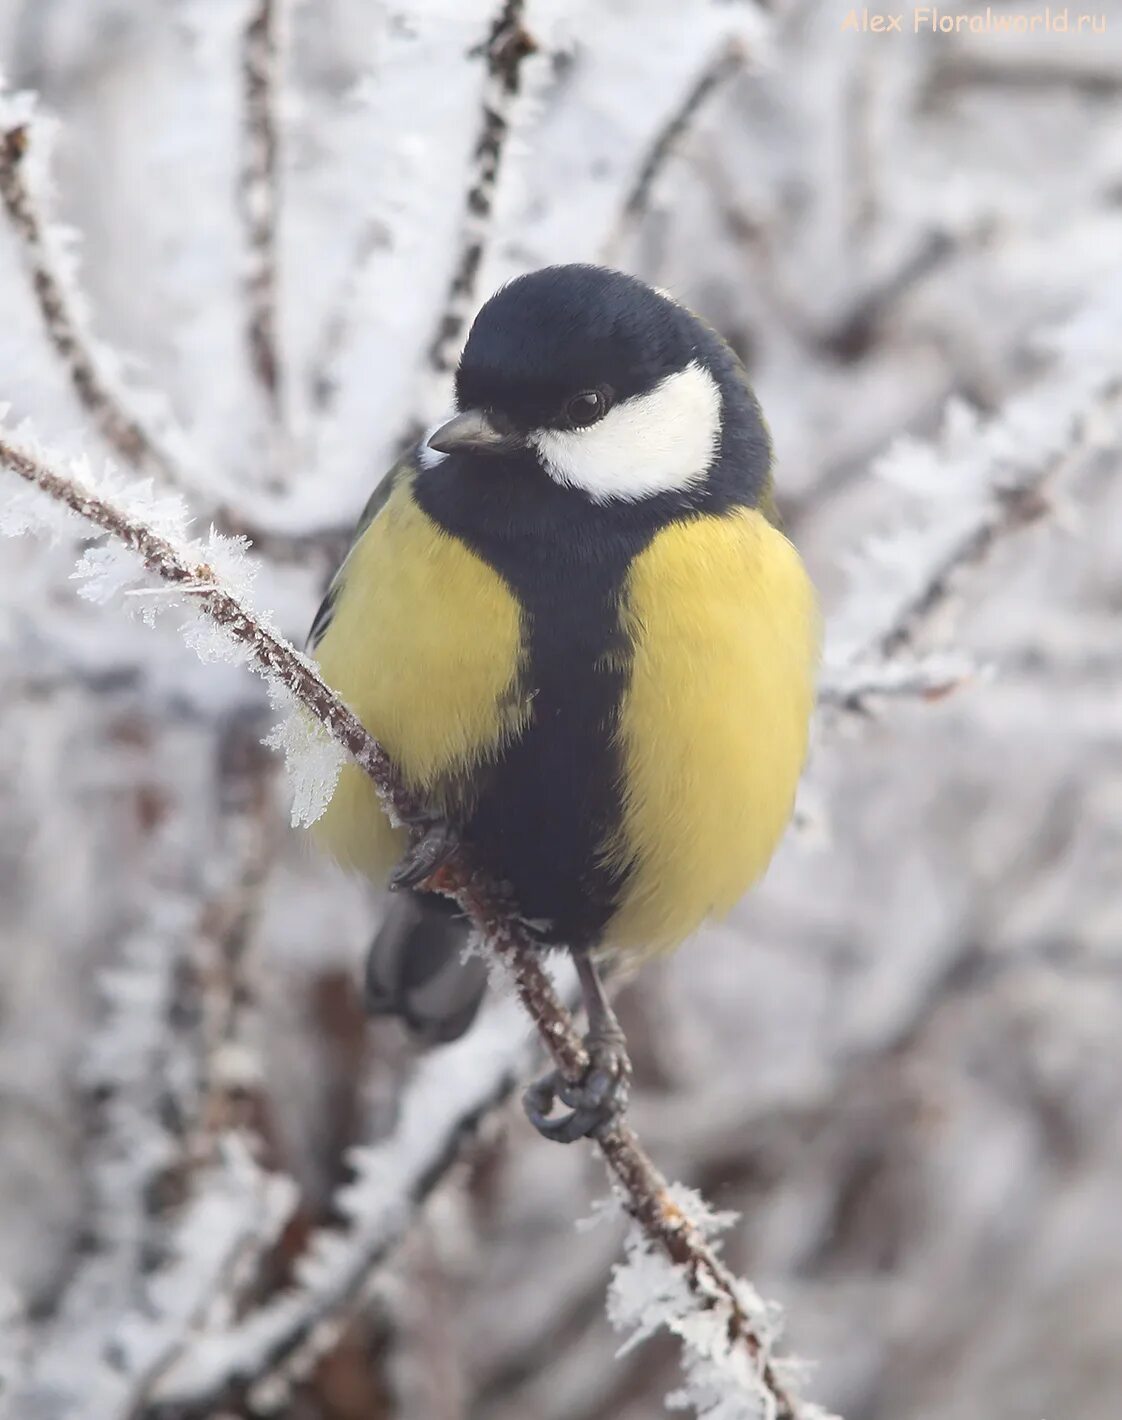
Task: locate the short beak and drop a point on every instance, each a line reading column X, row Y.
column 472, row 430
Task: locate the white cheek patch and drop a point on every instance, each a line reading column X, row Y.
column 660, row 442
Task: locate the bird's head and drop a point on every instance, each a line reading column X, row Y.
column 616, row 391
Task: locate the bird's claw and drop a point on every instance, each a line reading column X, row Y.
column 596, row 1101
column 422, row 859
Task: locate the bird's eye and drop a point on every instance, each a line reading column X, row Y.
column 586, row 408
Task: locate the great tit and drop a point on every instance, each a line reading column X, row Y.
column 571, row 618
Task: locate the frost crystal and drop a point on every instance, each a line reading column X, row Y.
column 106, row 571
column 648, row 1292
column 313, row 758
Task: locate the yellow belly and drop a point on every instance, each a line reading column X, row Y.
column 724, row 625
column 425, row 645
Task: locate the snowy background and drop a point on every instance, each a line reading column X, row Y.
column 899, row 1060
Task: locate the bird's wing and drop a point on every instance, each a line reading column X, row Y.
column 374, row 505
column 424, row 642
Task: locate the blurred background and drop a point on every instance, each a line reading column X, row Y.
column 898, row 1061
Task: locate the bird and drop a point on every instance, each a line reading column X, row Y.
column 571, row 617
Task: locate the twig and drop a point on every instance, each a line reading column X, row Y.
column 507, row 47
column 146, row 1275
column 98, row 391
column 233, row 1097
column 269, row 653
column 140, row 1058
column 983, row 480
column 852, row 334
column 427, row 1367
column 338, row 329
column 1087, row 74
column 260, row 61
column 718, row 70
column 441, row 1106
column 94, row 386
column 851, row 686
column 644, row 1191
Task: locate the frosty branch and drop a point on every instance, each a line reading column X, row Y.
column 93, row 383
column 505, row 50
column 260, row 74
column 981, row 480
column 323, row 373
column 441, row 1105
column 731, row 1322
column 233, row 1072
column 720, row 69
column 180, row 1208
column 90, row 365
column 268, row 652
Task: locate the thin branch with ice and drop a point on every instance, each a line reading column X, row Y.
column 505, row 50
column 150, row 443
column 258, row 192
column 981, row 480
column 163, row 549
column 233, row 1075
column 446, row 1098
column 88, row 364
column 134, row 1074
column 173, row 1228
column 727, row 1327
column 723, row 66
column 338, row 328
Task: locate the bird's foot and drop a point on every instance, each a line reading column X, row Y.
column 424, row 858
column 596, row 1101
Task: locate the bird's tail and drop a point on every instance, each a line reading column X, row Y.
column 416, row 968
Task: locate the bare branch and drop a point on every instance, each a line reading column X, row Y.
column 851, row 335
column 506, row 49
column 260, row 62
column 645, row 1193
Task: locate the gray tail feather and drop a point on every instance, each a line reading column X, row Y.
column 415, row 969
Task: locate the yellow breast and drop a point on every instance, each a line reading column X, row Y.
column 714, row 724
column 425, row 645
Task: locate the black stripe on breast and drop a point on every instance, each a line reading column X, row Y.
column 545, row 810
